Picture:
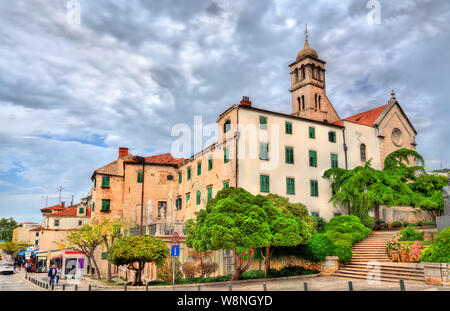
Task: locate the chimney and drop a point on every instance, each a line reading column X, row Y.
column 123, row 152
column 245, row 101
column 62, row 204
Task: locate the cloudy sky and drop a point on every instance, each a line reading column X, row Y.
column 71, row 94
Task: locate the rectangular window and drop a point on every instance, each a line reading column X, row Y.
column 263, row 123
column 37, row 233
column 106, row 205
column 314, row 188
column 56, row 222
column 264, row 183
column 104, row 255
column 210, row 163
column 263, row 151
column 226, row 126
column 81, row 210
column 226, row 156
column 199, row 168
column 315, row 214
column 313, row 158
column 210, row 193
column 93, row 206
column 105, row 181
column 226, row 184
column 178, row 204
column 198, row 197
column 188, row 197
column 334, row 160
column 188, row 173
column 288, row 127
column 312, row 132
column 162, row 208
column 332, row 136
column 95, row 182
column 337, row 214
column 180, row 177
column 139, row 177
column 80, row 222
column 289, row 155
column 290, row 185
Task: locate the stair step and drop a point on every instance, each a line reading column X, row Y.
column 384, row 272
column 382, row 279
column 394, row 277
column 386, row 267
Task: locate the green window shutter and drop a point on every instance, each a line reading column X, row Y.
column 104, row 255
column 334, row 161
column 105, row 181
column 332, row 136
column 290, row 185
column 210, row 163
column 106, row 205
column 199, row 168
column 180, row 177
column 263, row 151
column 313, row 158
column 226, row 157
column 226, row 184
column 315, row 214
column 264, row 183
column 312, row 132
column 263, row 123
column 209, row 193
column 198, row 197
column 188, row 197
column 178, row 203
column 289, row 155
column 93, row 206
column 314, row 188
column 337, row 214
column 81, row 210
column 188, row 173
column 226, row 126
column 288, row 127
column 139, row 177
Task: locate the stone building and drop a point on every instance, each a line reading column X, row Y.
column 26, row 233
column 260, row 150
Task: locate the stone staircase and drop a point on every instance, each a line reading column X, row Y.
column 373, row 250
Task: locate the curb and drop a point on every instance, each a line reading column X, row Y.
column 22, row 278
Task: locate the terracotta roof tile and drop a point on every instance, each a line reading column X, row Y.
column 367, row 117
column 52, row 208
column 165, row 158
column 36, row 229
column 69, row 211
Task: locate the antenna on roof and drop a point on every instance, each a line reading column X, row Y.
column 46, row 202
column 60, row 188
column 71, row 203
column 306, row 32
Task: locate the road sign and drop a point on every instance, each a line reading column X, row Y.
column 175, row 237
column 175, row 250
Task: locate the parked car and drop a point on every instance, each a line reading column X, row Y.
column 6, row 267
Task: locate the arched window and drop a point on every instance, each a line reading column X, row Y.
column 319, row 101
column 299, row 103
column 363, row 153
column 315, row 101
column 303, row 102
column 296, row 74
column 303, row 72
column 318, row 73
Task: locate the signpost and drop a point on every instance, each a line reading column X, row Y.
column 174, row 252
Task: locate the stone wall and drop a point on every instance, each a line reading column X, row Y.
column 437, row 273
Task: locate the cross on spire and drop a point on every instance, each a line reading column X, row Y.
column 306, row 32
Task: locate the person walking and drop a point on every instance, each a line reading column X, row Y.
column 52, row 273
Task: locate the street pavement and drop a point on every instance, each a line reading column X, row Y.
column 10, row 282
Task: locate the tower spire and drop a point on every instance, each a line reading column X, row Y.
column 306, row 32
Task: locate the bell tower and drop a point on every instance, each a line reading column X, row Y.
column 308, row 92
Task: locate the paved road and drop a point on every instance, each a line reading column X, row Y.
column 9, row 282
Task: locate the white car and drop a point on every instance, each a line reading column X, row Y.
column 6, row 267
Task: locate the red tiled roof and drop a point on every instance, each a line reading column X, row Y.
column 36, row 229
column 340, row 123
column 57, row 207
column 69, row 211
column 165, row 158
column 367, row 117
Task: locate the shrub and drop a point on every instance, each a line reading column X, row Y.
column 409, row 234
column 343, row 250
column 318, row 247
column 368, row 221
column 290, row 271
column 348, row 228
column 420, row 223
column 155, row 282
column 320, row 223
column 405, row 224
column 396, row 224
column 252, row 274
column 439, row 251
column 165, row 272
column 429, row 223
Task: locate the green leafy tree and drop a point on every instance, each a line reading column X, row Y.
column 109, row 231
column 428, row 194
column 7, row 225
column 11, row 249
column 86, row 240
column 234, row 218
column 132, row 250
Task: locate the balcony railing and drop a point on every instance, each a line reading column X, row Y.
column 159, row 229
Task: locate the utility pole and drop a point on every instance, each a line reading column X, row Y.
column 71, row 203
column 46, row 202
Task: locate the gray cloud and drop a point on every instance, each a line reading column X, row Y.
column 71, row 94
